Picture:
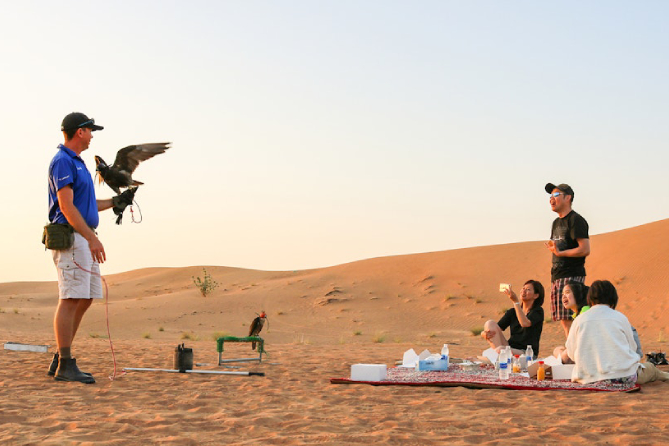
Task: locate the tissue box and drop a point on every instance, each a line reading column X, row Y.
column 432, row 364
column 562, row 371
column 368, row 372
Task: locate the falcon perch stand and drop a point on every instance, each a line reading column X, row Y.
column 221, row 340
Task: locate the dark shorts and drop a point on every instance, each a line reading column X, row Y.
column 558, row 311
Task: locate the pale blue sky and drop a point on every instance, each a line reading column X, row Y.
column 309, row 134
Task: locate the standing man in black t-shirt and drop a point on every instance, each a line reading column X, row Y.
column 570, row 245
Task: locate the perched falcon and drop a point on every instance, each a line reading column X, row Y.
column 119, row 175
column 256, row 326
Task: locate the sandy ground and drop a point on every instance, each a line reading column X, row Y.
column 320, row 322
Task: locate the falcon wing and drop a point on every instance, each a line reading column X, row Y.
column 255, row 327
column 128, row 158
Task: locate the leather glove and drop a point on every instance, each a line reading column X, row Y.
column 121, row 201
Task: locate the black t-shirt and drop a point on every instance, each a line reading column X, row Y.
column 522, row 337
column 565, row 232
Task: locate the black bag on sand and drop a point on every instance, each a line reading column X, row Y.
column 58, row 236
column 183, row 358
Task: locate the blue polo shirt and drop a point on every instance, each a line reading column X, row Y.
column 67, row 168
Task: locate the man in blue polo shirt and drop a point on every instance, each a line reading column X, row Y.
column 72, row 201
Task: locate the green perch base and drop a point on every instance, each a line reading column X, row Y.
column 220, row 342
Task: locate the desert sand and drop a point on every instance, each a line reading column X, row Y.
column 322, row 321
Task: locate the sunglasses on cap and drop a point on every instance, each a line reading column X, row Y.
column 86, row 123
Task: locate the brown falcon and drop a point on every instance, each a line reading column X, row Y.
column 119, row 174
column 256, row 326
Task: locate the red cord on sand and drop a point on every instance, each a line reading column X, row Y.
column 111, row 344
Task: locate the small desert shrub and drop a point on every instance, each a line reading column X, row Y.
column 161, row 329
column 189, row 336
column 146, row 335
column 476, row 330
column 300, row 339
column 378, row 339
column 219, row 334
column 206, row 285
column 357, row 333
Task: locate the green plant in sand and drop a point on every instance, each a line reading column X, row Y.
column 206, row 284
column 378, row 338
column 476, row 330
column 219, row 334
column 189, row 336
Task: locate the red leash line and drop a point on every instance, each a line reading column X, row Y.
column 111, row 344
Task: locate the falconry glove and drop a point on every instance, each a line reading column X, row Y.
column 121, row 201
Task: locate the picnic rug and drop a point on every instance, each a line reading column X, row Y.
column 485, row 377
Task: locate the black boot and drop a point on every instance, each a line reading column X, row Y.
column 68, row 371
column 54, row 366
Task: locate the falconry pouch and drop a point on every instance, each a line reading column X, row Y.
column 58, row 236
column 183, row 358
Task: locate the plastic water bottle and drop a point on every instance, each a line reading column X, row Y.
column 503, row 365
column 509, row 357
column 444, row 353
column 529, row 354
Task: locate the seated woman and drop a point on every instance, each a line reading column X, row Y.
column 602, row 345
column 525, row 320
column 639, row 350
column 574, row 298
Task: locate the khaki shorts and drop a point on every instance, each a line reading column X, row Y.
column 73, row 281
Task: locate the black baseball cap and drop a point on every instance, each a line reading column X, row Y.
column 561, row 187
column 78, row 120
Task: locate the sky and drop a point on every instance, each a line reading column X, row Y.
column 308, row 134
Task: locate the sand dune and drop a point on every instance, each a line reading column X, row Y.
column 320, row 322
